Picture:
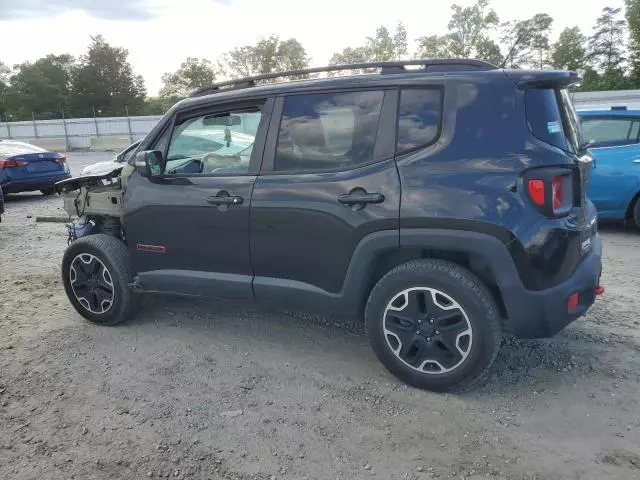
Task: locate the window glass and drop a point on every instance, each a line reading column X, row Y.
column 610, row 131
column 419, row 117
column 213, row 144
column 545, row 119
column 328, row 130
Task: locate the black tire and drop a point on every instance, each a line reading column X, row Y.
column 114, row 257
column 48, row 191
column 635, row 212
column 477, row 310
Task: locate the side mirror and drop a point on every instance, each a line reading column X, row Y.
column 149, row 163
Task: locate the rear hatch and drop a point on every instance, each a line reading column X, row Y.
column 558, row 184
column 552, row 118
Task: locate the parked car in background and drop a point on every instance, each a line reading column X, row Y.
column 27, row 168
column 101, row 168
column 614, row 182
column 1, row 203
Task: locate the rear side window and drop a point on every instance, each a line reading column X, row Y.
column 328, row 131
column 551, row 118
column 609, row 132
column 419, row 118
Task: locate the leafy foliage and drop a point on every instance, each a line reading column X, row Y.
column 192, row 74
column 268, row 55
column 468, row 35
column 104, row 80
column 569, row 52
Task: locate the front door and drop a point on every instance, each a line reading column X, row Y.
column 328, row 180
column 616, row 149
column 188, row 228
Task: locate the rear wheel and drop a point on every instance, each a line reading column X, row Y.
column 433, row 324
column 96, row 271
column 48, row 191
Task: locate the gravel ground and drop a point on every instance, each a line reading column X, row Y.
column 218, row 390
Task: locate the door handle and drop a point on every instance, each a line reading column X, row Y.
column 226, row 200
column 360, row 198
column 637, row 160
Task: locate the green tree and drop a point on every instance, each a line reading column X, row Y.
column 4, row 86
column 192, row 74
column 268, row 55
column 632, row 15
column 606, row 45
column 104, row 80
column 158, row 105
column 42, row 88
column 527, row 42
column 382, row 47
column 468, row 36
column 568, row 52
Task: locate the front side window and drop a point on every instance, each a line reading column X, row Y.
column 328, row 131
column 419, row 118
column 609, row 132
column 213, row 144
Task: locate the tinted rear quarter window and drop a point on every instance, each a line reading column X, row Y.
column 544, row 117
column 419, row 118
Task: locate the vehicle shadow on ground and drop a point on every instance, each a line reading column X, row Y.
column 548, row 363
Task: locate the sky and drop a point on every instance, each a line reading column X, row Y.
column 160, row 34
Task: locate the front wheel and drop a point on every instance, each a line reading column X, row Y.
column 97, row 272
column 48, row 191
column 433, row 324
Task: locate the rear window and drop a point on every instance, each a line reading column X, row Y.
column 8, row 149
column 552, row 118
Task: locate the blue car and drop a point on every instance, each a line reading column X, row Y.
column 27, row 168
column 614, row 182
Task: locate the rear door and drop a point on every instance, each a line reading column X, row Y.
column 328, row 179
column 616, row 148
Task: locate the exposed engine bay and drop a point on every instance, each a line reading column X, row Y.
column 94, row 202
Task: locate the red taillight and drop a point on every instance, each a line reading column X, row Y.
column 12, row 163
column 574, row 299
column 536, row 190
column 61, row 158
column 556, row 193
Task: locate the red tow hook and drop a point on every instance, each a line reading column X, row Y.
column 599, row 290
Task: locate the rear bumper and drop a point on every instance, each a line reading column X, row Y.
column 32, row 184
column 542, row 314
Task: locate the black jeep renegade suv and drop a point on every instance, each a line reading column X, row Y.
column 444, row 204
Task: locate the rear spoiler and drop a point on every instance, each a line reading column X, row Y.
column 543, row 79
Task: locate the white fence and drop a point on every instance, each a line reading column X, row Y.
column 116, row 132
column 77, row 133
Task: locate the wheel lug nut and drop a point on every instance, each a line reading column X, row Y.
column 428, row 339
column 419, row 321
column 418, row 332
column 431, row 320
column 437, row 332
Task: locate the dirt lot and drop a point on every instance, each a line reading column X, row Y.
column 228, row 391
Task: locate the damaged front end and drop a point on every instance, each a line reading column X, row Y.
column 94, row 203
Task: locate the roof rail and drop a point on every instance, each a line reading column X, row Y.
column 385, row 68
